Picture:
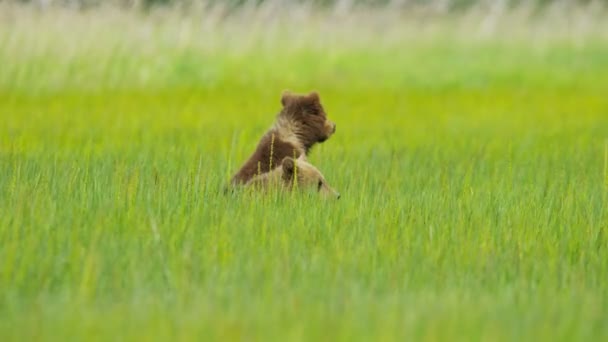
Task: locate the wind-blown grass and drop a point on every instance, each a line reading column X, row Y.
column 473, row 174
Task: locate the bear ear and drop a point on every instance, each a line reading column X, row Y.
column 289, row 165
column 286, row 98
column 314, row 96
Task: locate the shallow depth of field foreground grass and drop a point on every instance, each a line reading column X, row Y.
column 472, row 158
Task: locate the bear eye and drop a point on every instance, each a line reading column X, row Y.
column 319, row 185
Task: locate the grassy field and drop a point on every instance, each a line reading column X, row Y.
column 471, row 153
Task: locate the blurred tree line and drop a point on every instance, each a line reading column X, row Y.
column 453, row 5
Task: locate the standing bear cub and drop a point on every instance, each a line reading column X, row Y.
column 298, row 127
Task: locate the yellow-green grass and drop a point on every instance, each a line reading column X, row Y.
column 473, row 174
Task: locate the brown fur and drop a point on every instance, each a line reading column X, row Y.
column 294, row 174
column 298, row 127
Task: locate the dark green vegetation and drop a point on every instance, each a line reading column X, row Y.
column 473, row 173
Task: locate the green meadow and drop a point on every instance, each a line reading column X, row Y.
column 471, row 153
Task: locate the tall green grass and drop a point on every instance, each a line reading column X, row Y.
column 473, row 168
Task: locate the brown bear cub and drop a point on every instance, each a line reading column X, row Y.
column 294, row 173
column 298, row 127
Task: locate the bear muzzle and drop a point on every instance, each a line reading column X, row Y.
column 332, row 126
column 329, row 130
column 329, row 192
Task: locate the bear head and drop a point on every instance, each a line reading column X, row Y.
column 307, row 118
column 303, row 175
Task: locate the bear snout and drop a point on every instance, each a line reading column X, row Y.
column 334, row 193
column 330, row 127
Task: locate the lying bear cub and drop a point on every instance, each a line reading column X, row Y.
column 293, row 173
column 298, row 127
